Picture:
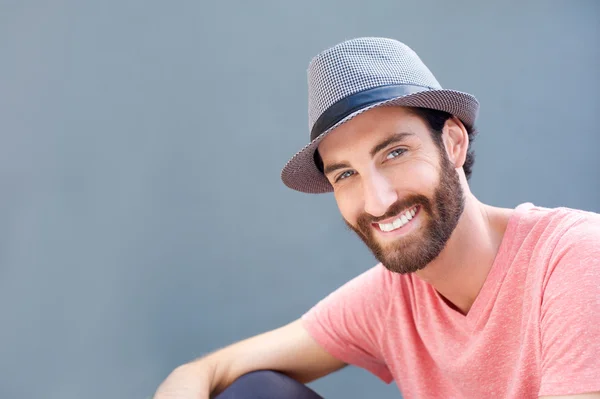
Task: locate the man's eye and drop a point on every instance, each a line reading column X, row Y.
column 344, row 175
column 395, row 153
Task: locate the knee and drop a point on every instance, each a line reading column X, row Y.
column 267, row 384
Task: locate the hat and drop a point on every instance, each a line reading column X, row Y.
column 355, row 76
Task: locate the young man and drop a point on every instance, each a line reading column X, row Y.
column 468, row 300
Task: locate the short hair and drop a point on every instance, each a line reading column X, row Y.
column 436, row 120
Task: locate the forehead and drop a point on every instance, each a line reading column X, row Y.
column 359, row 133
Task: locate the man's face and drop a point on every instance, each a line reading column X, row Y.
column 394, row 186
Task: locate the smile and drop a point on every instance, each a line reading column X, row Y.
column 400, row 221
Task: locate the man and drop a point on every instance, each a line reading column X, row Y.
column 468, row 300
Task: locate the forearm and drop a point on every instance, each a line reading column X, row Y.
column 289, row 349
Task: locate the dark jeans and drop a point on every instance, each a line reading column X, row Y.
column 267, row 385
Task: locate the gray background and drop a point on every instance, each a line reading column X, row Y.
column 142, row 219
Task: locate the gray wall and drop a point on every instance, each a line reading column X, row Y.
column 142, row 219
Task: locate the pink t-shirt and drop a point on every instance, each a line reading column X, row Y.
column 533, row 330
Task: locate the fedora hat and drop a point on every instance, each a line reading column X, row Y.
column 355, row 76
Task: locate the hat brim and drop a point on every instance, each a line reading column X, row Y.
column 301, row 174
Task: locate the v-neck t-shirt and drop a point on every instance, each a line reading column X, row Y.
column 533, row 330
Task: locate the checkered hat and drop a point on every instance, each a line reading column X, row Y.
column 355, row 76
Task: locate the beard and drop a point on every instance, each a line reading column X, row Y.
column 441, row 215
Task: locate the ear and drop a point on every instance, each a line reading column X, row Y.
column 456, row 141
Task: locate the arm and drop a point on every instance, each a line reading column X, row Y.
column 570, row 318
column 288, row 349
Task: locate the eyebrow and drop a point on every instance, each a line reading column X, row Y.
column 335, row 166
column 395, row 138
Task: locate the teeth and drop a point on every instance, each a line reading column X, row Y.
column 399, row 222
column 386, row 226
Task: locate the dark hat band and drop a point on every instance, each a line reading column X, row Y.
column 357, row 101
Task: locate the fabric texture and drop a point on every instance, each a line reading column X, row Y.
column 267, row 384
column 355, row 66
column 533, row 330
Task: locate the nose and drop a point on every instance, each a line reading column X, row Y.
column 379, row 194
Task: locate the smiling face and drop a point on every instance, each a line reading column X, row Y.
column 394, row 186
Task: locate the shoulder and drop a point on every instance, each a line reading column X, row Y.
column 570, row 315
column 579, row 238
column 553, row 230
column 574, row 257
column 364, row 297
column 559, row 246
column 371, row 286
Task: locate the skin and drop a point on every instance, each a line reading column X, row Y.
column 374, row 181
column 432, row 218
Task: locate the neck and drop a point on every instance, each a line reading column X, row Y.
column 460, row 270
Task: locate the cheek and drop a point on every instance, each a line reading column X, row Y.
column 417, row 177
column 349, row 206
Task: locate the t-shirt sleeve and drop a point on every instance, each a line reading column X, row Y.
column 348, row 323
column 570, row 318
